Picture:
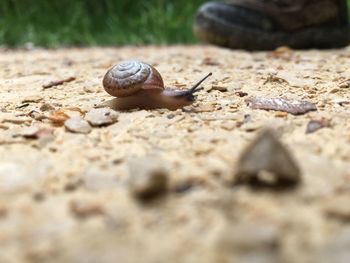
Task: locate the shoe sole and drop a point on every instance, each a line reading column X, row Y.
column 215, row 30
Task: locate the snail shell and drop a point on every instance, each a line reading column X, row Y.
column 129, row 77
column 136, row 84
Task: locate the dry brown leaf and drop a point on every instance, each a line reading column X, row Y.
column 60, row 116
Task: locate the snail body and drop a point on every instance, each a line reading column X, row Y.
column 139, row 85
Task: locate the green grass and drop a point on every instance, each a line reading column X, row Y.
column 53, row 23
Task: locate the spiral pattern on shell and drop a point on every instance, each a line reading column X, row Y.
column 128, row 77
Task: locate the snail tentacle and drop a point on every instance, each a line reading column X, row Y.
column 189, row 93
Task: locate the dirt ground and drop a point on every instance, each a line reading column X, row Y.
column 69, row 197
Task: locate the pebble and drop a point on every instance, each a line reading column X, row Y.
column 315, row 125
column 184, row 185
column 251, row 126
column 241, row 93
column 83, row 209
column 101, row 116
column 266, row 162
column 219, row 88
column 37, row 115
column 77, row 125
column 47, row 107
column 148, row 177
column 341, row 101
column 205, row 108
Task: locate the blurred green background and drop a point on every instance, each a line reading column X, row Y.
column 53, row 23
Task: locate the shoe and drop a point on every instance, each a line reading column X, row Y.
column 268, row 24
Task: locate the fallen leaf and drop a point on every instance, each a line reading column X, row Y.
column 60, row 116
column 278, row 104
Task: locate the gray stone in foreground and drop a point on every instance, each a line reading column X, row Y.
column 101, row 116
column 267, row 162
column 77, row 125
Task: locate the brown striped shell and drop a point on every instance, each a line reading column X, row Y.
column 128, row 77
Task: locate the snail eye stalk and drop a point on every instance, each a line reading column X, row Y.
column 195, row 86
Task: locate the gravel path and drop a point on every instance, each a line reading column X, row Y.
column 79, row 191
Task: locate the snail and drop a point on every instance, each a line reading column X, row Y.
column 139, row 85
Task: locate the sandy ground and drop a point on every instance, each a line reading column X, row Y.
column 68, row 197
